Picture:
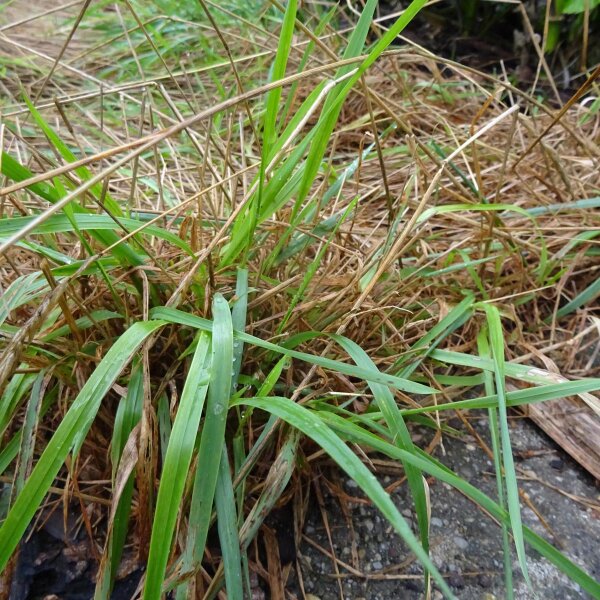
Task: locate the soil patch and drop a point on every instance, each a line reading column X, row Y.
column 466, row 545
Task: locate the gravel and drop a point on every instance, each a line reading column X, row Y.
column 466, row 544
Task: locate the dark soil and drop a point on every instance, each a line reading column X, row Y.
column 497, row 39
column 55, row 565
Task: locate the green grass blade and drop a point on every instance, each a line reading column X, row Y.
column 306, row 55
column 484, row 350
column 337, row 96
column 175, row 468
column 92, row 223
column 510, row 476
column 588, row 295
column 83, row 323
column 20, row 291
column 15, row 171
column 279, row 189
column 164, row 424
column 238, row 319
column 65, row 152
column 331, row 110
column 9, row 452
column 585, row 204
column 451, row 208
column 212, row 437
column 542, row 393
column 12, row 397
column 75, row 424
column 278, row 72
column 514, row 370
column 227, row 525
column 29, row 433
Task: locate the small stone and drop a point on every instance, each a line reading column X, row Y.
column 312, row 597
column 457, row 581
column 437, row 595
column 466, row 473
column 460, row 542
column 376, row 565
column 406, row 512
column 362, row 553
column 485, row 581
column 351, row 483
column 436, row 522
column 414, row 585
column 557, row 464
column 369, row 525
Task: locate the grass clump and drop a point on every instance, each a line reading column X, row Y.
column 223, row 234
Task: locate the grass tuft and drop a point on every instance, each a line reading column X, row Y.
column 229, row 233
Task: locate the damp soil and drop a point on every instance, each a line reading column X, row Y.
column 466, row 544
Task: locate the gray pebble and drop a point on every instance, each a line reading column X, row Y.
column 460, row 542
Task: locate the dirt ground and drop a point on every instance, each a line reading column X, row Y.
column 466, row 543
